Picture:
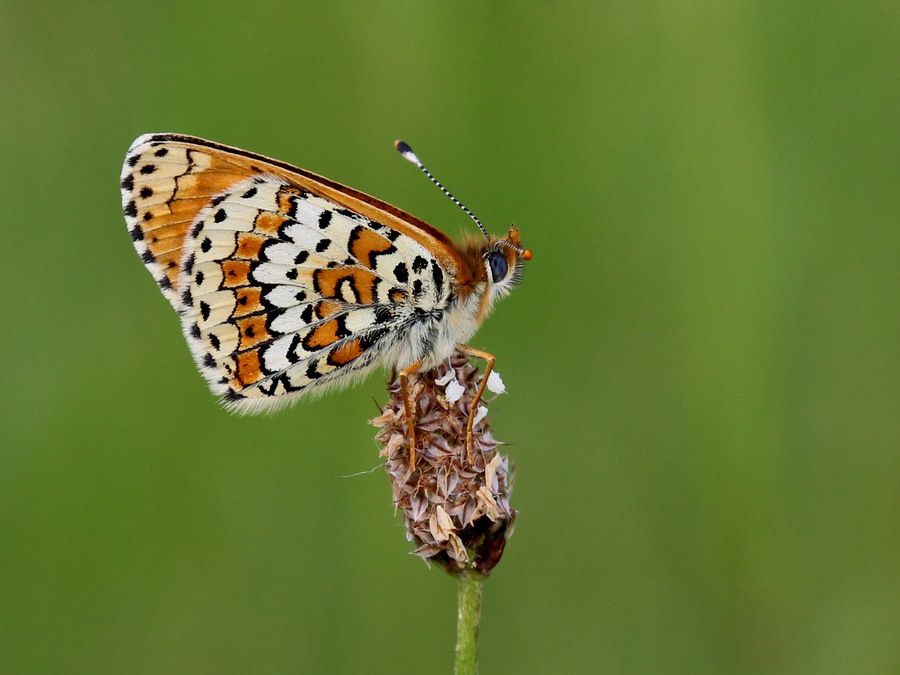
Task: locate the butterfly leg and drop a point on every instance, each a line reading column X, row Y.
column 410, row 411
column 489, row 360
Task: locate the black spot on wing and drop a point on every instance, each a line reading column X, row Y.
column 419, row 264
column 438, row 275
column 402, row 273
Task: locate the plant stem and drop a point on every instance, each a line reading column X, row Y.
column 468, row 618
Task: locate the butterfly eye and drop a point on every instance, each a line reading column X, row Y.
column 498, row 264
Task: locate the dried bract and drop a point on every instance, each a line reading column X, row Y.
column 456, row 512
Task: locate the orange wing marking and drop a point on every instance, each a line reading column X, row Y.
column 248, row 370
column 365, row 245
column 330, row 282
column 253, row 331
column 346, row 353
column 235, row 273
column 325, row 335
column 247, row 301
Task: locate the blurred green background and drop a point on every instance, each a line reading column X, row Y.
column 703, row 359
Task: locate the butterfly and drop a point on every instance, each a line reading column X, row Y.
column 288, row 283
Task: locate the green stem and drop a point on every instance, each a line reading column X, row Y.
column 468, row 618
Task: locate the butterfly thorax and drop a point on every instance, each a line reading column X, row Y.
column 493, row 267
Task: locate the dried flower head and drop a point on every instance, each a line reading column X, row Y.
column 457, row 512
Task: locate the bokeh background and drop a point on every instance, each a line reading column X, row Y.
column 703, row 359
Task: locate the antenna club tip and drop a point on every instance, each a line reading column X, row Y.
column 526, row 254
column 407, row 152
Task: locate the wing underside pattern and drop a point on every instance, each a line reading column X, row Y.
column 280, row 290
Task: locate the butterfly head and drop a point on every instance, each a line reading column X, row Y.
column 503, row 259
column 495, row 267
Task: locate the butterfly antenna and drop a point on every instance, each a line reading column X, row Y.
column 407, row 153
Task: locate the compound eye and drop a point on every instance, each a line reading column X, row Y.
column 499, row 266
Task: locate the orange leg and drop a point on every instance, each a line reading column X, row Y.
column 410, row 412
column 489, row 359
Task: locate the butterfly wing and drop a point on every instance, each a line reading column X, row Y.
column 285, row 281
